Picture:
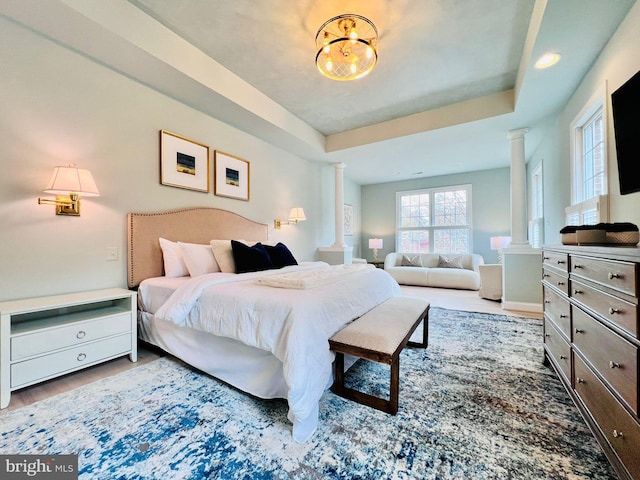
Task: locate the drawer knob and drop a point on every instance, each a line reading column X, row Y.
column 579, row 330
column 579, row 380
column 81, row 334
column 613, row 311
column 617, row 434
column 81, row 356
column 613, row 364
column 576, row 291
column 614, row 275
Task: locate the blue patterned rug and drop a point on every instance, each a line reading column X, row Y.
column 477, row 404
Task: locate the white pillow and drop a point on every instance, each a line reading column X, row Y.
column 224, row 254
column 198, row 258
column 174, row 265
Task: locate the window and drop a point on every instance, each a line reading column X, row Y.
column 536, row 225
column 436, row 220
column 589, row 165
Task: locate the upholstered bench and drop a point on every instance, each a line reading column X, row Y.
column 380, row 335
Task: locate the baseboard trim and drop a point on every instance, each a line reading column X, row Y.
column 522, row 306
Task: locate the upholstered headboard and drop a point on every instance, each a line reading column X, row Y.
column 192, row 225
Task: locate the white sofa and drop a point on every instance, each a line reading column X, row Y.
column 431, row 275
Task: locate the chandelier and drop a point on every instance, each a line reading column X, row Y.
column 346, row 47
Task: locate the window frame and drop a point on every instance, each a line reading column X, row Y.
column 432, row 228
column 594, row 106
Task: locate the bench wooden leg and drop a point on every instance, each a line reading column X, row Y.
column 425, row 332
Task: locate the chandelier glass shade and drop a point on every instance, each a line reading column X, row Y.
column 346, row 47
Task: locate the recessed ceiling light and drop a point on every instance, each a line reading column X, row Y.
column 548, row 59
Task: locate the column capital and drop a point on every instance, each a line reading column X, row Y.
column 518, row 133
column 339, row 165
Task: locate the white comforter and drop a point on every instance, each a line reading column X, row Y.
column 292, row 324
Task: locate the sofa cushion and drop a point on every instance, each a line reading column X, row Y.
column 450, row 261
column 453, row 278
column 412, row 260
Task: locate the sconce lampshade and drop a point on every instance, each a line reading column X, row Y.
column 499, row 242
column 346, row 47
column 297, row 214
column 67, row 180
column 375, row 243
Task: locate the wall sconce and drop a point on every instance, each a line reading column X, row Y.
column 375, row 244
column 296, row 215
column 68, row 183
column 498, row 243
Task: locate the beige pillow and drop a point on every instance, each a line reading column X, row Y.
column 224, row 255
column 450, row 262
column 412, row 261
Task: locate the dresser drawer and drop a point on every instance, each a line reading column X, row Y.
column 614, row 309
column 620, row 276
column 558, row 280
column 48, row 340
column 555, row 260
column 62, row 361
column 617, row 425
column 558, row 348
column 615, row 359
column 556, row 308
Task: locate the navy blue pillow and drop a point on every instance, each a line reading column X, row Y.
column 280, row 255
column 250, row 259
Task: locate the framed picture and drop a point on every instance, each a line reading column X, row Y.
column 348, row 219
column 231, row 176
column 183, row 162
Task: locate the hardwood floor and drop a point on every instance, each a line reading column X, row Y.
column 438, row 297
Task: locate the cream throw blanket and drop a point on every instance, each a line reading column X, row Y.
column 311, row 278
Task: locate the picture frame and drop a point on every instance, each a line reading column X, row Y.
column 348, row 219
column 232, row 176
column 184, row 163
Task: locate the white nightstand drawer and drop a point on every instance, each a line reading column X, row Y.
column 39, row 342
column 30, row 371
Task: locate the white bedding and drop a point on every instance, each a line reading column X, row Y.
column 293, row 324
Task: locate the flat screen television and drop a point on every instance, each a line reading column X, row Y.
column 625, row 105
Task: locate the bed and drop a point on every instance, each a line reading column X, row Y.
column 265, row 332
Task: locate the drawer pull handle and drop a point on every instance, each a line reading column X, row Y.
column 564, row 316
column 576, row 291
column 562, row 357
column 560, row 262
column 547, row 335
column 617, row 434
column 577, row 265
column 614, row 275
column 546, row 275
column 578, row 330
column 613, row 311
column 81, row 356
column 547, row 301
column 560, row 283
column 81, row 334
column 546, row 258
column 613, row 364
column 579, row 380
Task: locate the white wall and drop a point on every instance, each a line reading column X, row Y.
column 619, row 60
column 59, row 107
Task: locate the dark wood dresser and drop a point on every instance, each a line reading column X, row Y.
column 591, row 339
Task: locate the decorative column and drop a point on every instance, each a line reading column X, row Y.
column 518, row 189
column 339, row 172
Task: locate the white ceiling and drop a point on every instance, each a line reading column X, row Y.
column 453, row 76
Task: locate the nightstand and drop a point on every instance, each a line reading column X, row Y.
column 45, row 337
column 378, row 263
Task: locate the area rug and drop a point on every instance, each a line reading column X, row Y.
column 477, row 404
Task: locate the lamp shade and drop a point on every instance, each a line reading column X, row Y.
column 67, row 180
column 375, row 243
column 297, row 214
column 499, row 242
